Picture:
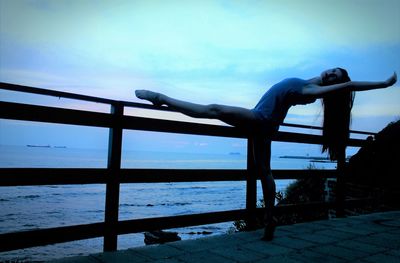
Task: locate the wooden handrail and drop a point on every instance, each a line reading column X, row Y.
column 61, row 94
column 11, row 110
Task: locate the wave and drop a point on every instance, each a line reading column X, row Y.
column 155, row 205
column 176, row 204
column 131, row 205
column 96, row 211
column 31, row 226
column 53, row 212
column 28, row 196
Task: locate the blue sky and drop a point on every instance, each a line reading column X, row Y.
column 227, row 52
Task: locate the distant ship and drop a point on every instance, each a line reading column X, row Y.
column 39, row 146
column 46, row 146
column 304, row 157
column 311, row 158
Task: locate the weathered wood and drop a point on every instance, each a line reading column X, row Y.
column 112, row 187
column 113, row 175
column 251, row 186
column 209, row 175
column 51, row 176
column 17, row 111
column 41, row 237
column 156, row 223
column 26, row 112
column 54, row 93
column 64, row 176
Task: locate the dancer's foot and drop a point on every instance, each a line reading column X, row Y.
column 269, row 230
column 151, row 96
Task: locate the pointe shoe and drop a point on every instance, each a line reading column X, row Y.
column 151, row 96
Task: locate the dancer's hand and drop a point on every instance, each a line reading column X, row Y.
column 390, row 81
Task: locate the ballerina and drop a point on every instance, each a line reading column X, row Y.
column 333, row 86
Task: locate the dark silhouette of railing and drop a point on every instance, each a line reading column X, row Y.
column 114, row 175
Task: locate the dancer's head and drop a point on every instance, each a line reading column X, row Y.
column 337, row 113
column 334, row 76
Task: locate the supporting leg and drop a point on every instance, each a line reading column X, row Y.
column 262, row 158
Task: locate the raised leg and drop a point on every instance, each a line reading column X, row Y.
column 235, row 116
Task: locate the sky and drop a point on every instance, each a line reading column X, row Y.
column 228, row 52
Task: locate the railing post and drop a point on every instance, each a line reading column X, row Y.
column 251, row 186
column 112, row 188
column 341, row 183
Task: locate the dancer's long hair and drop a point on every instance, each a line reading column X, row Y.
column 337, row 118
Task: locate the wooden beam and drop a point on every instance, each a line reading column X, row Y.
column 26, row 112
column 42, row 237
column 51, row 176
column 17, row 111
column 112, row 188
column 157, row 223
column 64, row 176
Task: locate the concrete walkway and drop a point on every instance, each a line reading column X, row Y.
column 366, row 238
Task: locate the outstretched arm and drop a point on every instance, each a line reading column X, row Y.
column 318, row 91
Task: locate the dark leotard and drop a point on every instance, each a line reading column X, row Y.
column 274, row 105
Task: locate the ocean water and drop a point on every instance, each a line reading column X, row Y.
column 32, row 207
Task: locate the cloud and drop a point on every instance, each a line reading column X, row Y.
column 208, row 38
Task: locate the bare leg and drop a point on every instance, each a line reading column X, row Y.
column 235, row 116
column 262, row 158
column 238, row 117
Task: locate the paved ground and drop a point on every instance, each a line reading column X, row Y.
column 366, row 238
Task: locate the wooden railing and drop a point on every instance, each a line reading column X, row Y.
column 114, row 175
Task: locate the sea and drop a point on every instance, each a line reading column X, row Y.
column 34, row 207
